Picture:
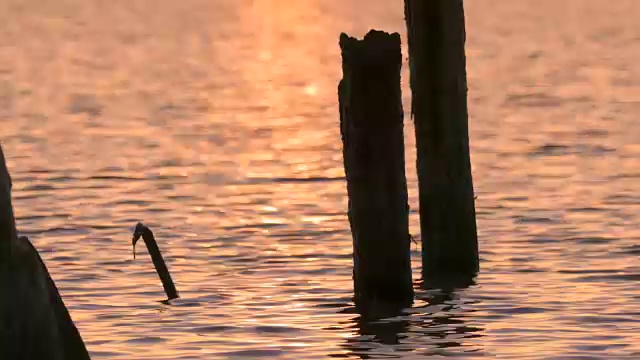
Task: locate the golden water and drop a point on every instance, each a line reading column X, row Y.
column 215, row 122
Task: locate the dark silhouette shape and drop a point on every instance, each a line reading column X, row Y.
column 34, row 321
column 373, row 149
column 447, row 328
column 161, row 268
column 436, row 38
column 380, row 327
column 448, row 283
column 426, row 331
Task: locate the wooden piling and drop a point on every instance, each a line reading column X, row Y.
column 371, row 124
column 34, row 321
column 436, row 38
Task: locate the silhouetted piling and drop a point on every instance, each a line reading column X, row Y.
column 34, row 321
column 436, row 37
column 156, row 257
column 371, row 124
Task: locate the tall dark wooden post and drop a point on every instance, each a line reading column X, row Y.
column 371, row 124
column 436, row 37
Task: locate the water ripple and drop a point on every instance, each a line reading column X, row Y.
column 215, row 123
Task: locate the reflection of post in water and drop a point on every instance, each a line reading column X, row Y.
column 446, row 328
column 439, row 330
column 384, row 326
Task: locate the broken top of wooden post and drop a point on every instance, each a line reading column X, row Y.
column 371, row 124
column 377, row 49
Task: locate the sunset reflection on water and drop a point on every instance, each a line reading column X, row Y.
column 215, row 123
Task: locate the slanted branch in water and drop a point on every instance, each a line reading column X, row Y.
column 161, row 268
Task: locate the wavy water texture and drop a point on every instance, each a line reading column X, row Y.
column 215, row 123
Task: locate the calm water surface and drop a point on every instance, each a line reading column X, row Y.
column 215, row 122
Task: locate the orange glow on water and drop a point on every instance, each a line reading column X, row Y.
column 216, row 123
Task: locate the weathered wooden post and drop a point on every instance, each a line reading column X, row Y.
column 436, row 38
column 34, row 322
column 371, row 124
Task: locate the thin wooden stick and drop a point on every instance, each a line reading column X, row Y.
column 161, row 267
